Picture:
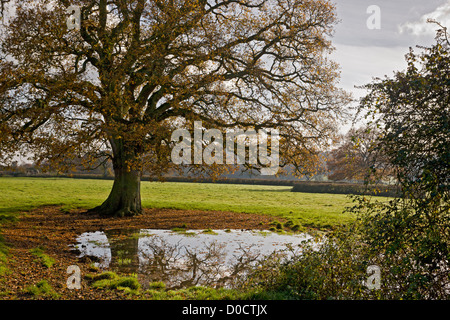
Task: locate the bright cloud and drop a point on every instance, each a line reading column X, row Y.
column 422, row 27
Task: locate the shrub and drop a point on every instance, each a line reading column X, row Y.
column 334, row 270
column 411, row 248
column 345, row 188
column 411, row 242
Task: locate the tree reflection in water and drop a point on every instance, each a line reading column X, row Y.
column 181, row 261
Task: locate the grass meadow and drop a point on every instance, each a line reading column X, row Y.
column 317, row 210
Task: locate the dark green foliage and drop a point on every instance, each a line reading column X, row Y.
column 412, row 233
column 335, row 270
column 407, row 237
column 410, row 244
column 345, row 188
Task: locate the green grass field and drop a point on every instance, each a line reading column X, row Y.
column 307, row 209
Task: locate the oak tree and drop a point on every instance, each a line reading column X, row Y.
column 138, row 69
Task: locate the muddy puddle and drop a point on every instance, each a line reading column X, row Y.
column 185, row 258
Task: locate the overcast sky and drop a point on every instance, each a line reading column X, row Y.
column 365, row 53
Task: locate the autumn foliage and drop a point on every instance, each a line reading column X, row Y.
column 137, row 70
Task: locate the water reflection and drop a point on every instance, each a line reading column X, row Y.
column 216, row 258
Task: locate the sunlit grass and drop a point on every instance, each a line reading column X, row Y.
column 308, row 209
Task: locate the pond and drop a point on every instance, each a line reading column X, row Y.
column 185, row 258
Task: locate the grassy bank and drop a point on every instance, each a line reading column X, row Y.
column 308, row 209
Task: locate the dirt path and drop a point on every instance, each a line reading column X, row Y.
column 55, row 230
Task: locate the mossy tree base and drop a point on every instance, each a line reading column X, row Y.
column 125, row 197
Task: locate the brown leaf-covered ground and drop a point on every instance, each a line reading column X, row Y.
column 55, row 230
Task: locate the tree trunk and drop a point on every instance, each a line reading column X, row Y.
column 125, row 196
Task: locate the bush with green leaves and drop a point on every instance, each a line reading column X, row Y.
column 411, row 255
column 407, row 237
column 411, row 244
column 332, row 267
column 411, row 233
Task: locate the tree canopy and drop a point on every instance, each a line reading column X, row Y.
column 138, row 69
column 356, row 157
